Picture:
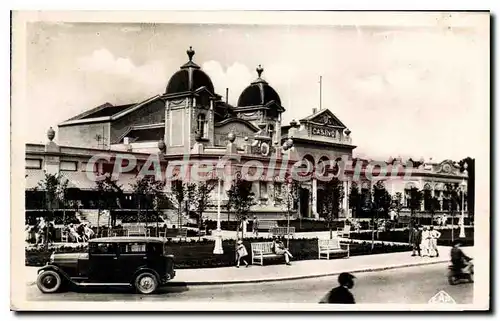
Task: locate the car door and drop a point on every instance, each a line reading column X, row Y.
column 103, row 258
column 131, row 257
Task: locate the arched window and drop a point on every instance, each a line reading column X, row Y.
column 202, row 124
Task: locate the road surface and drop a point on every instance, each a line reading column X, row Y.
column 405, row 285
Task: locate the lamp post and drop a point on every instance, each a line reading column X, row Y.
column 218, row 234
column 462, row 218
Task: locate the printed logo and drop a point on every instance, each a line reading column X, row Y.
column 441, row 297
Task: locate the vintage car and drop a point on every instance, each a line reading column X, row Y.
column 140, row 262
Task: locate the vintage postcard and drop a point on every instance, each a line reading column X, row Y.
column 250, row 161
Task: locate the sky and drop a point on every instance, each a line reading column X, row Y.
column 411, row 91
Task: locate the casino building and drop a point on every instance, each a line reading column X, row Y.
column 190, row 118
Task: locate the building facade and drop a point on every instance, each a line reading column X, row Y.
column 190, row 122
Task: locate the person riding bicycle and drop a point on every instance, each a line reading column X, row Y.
column 458, row 257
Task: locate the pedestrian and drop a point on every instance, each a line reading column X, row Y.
column 458, row 258
column 444, row 220
column 415, row 240
column 88, row 233
column 425, row 244
column 341, row 294
column 255, row 226
column 434, row 236
column 241, row 252
column 73, row 234
column 280, row 249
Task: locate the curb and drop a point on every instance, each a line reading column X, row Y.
column 292, row 278
column 301, row 277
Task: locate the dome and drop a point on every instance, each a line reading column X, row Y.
column 258, row 93
column 189, row 78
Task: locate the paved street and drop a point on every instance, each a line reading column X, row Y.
column 404, row 285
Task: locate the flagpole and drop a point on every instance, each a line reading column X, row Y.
column 320, row 91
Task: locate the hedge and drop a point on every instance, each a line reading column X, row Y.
column 403, row 236
column 199, row 254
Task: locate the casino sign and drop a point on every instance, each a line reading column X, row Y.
column 323, row 131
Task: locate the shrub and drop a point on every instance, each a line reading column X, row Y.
column 402, row 236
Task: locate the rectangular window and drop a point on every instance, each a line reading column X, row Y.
column 102, row 248
column 69, row 166
column 131, row 248
column 33, row 163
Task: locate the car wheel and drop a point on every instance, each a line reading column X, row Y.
column 49, row 281
column 146, row 283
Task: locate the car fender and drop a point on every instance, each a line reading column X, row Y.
column 142, row 270
column 54, row 268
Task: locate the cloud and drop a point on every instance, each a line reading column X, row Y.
column 143, row 78
column 236, row 77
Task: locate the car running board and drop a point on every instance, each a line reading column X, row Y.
column 103, row 284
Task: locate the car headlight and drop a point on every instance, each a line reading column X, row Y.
column 52, row 257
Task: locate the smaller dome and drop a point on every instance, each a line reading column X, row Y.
column 258, row 93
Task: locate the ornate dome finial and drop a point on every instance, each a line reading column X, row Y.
column 259, row 70
column 51, row 134
column 347, row 131
column 190, row 52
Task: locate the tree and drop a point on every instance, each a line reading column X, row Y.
column 202, row 200
column 241, row 199
column 453, row 199
column 380, row 205
column 289, row 196
column 333, row 195
column 108, row 197
column 431, row 204
column 415, row 202
column 177, row 195
column 354, row 200
column 367, row 206
column 150, row 195
column 381, row 199
column 54, row 186
column 397, row 202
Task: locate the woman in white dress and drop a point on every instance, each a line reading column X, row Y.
column 424, row 245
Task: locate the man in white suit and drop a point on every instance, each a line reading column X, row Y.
column 434, row 236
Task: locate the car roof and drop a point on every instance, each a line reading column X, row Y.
column 128, row 239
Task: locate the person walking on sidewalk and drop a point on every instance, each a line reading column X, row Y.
column 415, row 240
column 341, row 294
column 426, row 240
column 241, row 252
column 280, row 249
column 434, row 236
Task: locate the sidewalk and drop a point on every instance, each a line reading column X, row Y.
column 299, row 269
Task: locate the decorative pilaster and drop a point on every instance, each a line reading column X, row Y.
column 345, row 200
column 314, row 198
